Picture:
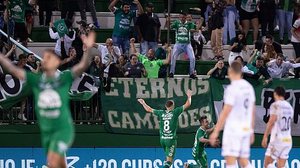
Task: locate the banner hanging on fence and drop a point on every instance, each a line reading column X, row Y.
column 13, row 90
column 123, row 114
column 264, row 99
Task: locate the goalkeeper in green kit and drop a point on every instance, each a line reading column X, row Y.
column 168, row 123
column 201, row 139
column 50, row 90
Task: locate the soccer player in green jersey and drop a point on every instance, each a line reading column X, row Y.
column 201, row 139
column 168, row 123
column 50, row 90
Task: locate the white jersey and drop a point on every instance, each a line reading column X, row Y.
column 281, row 131
column 240, row 95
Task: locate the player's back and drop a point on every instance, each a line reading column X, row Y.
column 241, row 97
column 281, row 130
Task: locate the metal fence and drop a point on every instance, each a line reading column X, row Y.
column 83, row 112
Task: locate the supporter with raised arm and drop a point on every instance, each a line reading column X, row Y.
column 123, row 18
column 151, row 64
column 219, row 71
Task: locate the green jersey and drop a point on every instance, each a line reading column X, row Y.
column 182, row 30
column 51, row 100
column 168, row 122
column 199, row 146
column 152, row 67
column 17, row 10
column 122, row 22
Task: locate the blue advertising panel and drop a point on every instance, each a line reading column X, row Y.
column 125, row 158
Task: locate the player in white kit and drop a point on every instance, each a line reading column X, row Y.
column 238, row 117
column 279, row 125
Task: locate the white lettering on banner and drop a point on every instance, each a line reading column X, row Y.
column 126, row 120
column 141, row 89
column 126, row 82
column 74, row 159
column 145, row 121
column 183, row 120
column 10, row 163
column 158, row 87
column 150, row 121
column 111, row 116
column 113, row 91
column 174, row 86
column 157, row 163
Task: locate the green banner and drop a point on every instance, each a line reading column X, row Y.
column 264, row 99
column 61, row 27
column 13, row 90
column 123, row 114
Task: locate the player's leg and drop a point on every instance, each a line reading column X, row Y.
column 203, row 160
column 170, row 151
column 245, row 152
column 231, row 146
column 268, row 162
column 285, row 150
column 55, row 160
column 60, row 141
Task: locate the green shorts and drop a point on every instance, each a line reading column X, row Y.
column 58, row 141
column 201, row 160
column 169, row 146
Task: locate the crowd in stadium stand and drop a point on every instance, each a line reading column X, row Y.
column 226, row 21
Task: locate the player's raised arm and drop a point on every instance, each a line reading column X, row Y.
column 11, row 68
column 168, row 59
column 145, row 105
column 189, row 100
column 86, row 59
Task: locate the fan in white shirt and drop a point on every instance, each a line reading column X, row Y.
column 279, row 68
column 279, row 125
column 109, row 54
column 238, row 117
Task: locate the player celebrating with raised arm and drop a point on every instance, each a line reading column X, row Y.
column 238, row 117
column 281, row 114
column 168, row 122
column 50, row 90
column 201, row 139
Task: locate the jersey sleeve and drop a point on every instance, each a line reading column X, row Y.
column 158, row 112
column 174, row 25
column 178, row 111
column 274, row 109
column 160, row 62
column 68, row 75
column 200, row 134
column 229, row 96
column 296, row 24
column 141, row 58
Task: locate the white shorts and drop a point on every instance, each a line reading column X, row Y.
column 278, row 150
column 236, row 145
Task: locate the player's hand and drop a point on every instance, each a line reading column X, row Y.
column 213, row 138
column 217, row 144
column 89, row 40
column 189, row 93
column 132, row 40
column 264, row 142
column 142, row 101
